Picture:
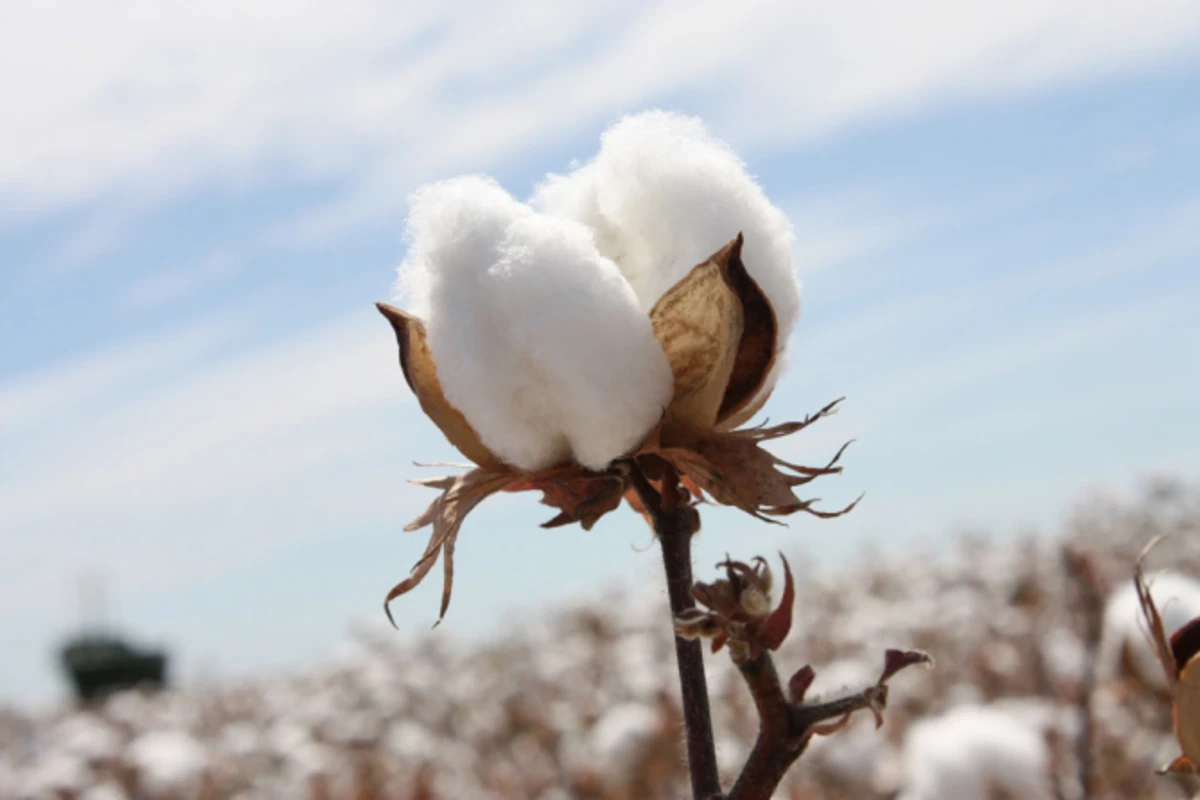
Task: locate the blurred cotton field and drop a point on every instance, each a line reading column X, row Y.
column 582, row 703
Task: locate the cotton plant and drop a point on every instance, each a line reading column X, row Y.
column 608, row 340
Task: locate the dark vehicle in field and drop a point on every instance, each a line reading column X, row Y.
column 100, row 663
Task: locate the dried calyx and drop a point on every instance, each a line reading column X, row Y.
column 720, row 336
column 737, row 610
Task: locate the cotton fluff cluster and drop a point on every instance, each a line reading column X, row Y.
column 537, row 313
column 662, row 195
column 1178, row 600
column 582, row 701
column 972, row 752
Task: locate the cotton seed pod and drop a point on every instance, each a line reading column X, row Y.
column 1179, row 656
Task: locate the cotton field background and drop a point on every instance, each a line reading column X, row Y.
column 582, row 703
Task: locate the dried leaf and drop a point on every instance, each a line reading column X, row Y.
column 896, row 660
column 459, row 495
column 1157, row 632
column 799, row 683
column 420, row 372
column 699, row 323
column 777, row 626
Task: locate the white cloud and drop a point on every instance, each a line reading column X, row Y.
column 143, row 97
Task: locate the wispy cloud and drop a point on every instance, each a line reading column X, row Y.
column 836, row 230
column 381, row 95
column 171, row 283
column 30, row 400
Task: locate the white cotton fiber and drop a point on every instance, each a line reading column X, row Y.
column 662, row 195
column 538, row 339
column 1178, row 600
column 970, row 752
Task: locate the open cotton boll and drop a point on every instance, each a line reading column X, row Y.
column 662, row 195
column 621, row 737
column 1178, row 600
column 168, row 760
column 972, row 751
column 538, row 339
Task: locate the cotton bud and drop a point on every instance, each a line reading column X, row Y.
column 754, row 602
column 739, row 610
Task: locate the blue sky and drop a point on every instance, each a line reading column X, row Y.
column 998, row 219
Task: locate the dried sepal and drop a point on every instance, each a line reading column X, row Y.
column 699, row 323
column 734, row 469
column 460, row 494
column 580, row 495
column 778, row 625
column 1178, row 656
column 420, row 372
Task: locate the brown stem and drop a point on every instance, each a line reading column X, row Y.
column 776, row 747
column 675, row 524
column 1090, row 599
column 785, row 729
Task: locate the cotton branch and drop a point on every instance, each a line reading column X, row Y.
column 787, row 724
column 1089, row 599
column 737, row 614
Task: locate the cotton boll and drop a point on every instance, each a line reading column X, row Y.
column 662, row 195
column 972, row 749
column 621, row 737
column 53, row 774
column 455, row 228
column 1178, row 600
column 104, row 791
column 168, row 760
column 538, row 339
column 88, row 737
column 577, row 324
